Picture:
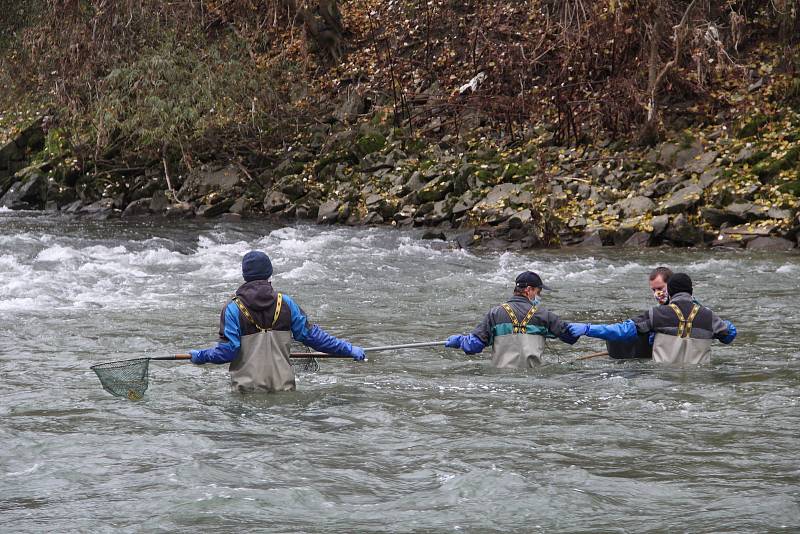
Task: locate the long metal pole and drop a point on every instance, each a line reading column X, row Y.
column 369, row 349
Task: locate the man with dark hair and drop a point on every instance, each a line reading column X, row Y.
column 256, row 329
column 683, row 328
column 517, row 329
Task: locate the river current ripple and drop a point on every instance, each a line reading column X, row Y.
column 411, row 441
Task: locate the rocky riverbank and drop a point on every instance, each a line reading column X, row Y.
column 718, row 186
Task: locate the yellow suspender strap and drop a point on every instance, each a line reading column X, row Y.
column 692, row 315
column 246, row 313
column 528, row 317
column 519, row 327
column 249, row 317
column 277, row 310
column 513, row 317
column 685, row 325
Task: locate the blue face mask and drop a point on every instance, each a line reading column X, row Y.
column 536, row 300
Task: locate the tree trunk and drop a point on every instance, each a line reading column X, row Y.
column 323, row 24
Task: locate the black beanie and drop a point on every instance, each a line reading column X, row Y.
column 679, row 283
column 256, row 266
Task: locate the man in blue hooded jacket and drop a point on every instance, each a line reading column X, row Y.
column 682, row 329
column 256, row 331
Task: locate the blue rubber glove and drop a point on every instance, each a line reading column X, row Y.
column 195, row 354
column 731, row 333
column 651, row 338
column 578, row 329
column 453, row 342
column 358, row 354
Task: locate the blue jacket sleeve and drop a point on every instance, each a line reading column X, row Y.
column 228, row 350
column 314, row 336
column 613, row 332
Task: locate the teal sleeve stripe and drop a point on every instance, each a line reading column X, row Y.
column 504, row 329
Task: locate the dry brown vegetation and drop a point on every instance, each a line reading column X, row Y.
column 192, row 80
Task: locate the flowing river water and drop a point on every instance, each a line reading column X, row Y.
column 423, row 440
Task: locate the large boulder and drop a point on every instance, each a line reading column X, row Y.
column 493, row 208
column 138, row 208
column 330, row 211
column 275, row 201
column 638, row 240
column 435, row 189
column 27, row 192
column 676, row 156
column 683, row 200
column 204, row 181
column 639, row 205
column 770, row 244
column 682, row 232
column 700, row 163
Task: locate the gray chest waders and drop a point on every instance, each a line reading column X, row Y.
column 263, row 363
column 682, row 349
column 518, row 350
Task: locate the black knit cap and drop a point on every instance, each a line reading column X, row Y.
column 679, row 283
column 256, row 266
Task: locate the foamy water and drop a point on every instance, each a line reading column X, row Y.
column 411, row 441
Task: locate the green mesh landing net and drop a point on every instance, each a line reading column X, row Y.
column 126, row 378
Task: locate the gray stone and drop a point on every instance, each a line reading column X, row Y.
column 439, row 213
column 744, row 154
column 231, row 217
column 209, row 180
column 683, row 199
column 241, row 206
column 777, row 213
column 28, row 192
column 72, row 207
column 435, row 190
column 520, row 219
column 770, row 244
column 682, row 232
column 373, row 218
column 727, row 242
column 746, row 210
column 709, row 176
column 328, row 212
column 434, row 234
column 675, row 156
column 717, row 217
column 592, row 239
column 180, row 210
column 275, row 201
column 137, row 208
column 373, row 200
column 159, row 202
column 351, row 105
column 293, row 186
column 215, row 210
column 631, row 207
column 466, row 239
column 659, row 224
column 638, row 239
column 465, row 203
column 102, row 209
column 702, row 162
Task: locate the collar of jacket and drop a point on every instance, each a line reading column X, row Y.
column 681, row 297
column 520, row 299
